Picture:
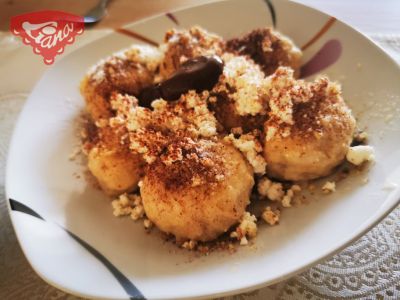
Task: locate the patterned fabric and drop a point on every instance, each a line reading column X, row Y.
column 368, row 269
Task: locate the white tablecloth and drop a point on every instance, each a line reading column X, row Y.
column 368, row 269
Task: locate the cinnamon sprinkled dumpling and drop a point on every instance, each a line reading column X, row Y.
column 197, row 190
column 268, row 48
column 238, row 99
column 116, row 168
column 181, row 45
column 127, row 71
column 309, row 129
column 195, row 187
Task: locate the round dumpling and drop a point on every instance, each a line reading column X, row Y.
column 181, row 45
column 115, row 167
column 239, row 98
column 269, row 49
column 197, row 193
column 318, row 139
column 128, row 71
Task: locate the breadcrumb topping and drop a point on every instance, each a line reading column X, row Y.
column 274, row 191
column 147, row 224
column 249, row 145
column 181, row 45
column 189, row 245
column 287, row 199
column 271, row 216
column 148, row 56
column 283, row 90
column 242, row 82
column 246, row 229
column 202, row 164
column 329, row 187
column 128, row 205
column 268, row 48
column 298, row 106
column 150, row 131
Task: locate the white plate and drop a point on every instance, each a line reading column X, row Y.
column 106, row 257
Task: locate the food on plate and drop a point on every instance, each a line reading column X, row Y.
column 181, row 45
column 190, row 134
column 269, row 49
column 115, row 167
column 127, row 71
column 202, row 193
column 309, row 129
column 239, row 97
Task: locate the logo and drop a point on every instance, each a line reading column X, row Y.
column 47, row 32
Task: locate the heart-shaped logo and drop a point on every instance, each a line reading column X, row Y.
column 48, row 32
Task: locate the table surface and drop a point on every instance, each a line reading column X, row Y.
column 375, row 18
column 369, row 16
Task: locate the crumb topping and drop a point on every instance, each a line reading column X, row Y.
column 190, row 113
column 287, row 199
column 185, row 162
column 299, row 107
column 274, row 191
column 189, row 245
column 268, row 48
column 128, row 205
column 271, row 216
column 251, row 148
column 151, row 131
column 181, row 45
column 329, row 187
column 279, row 89
column 147, row 224
column 283, row 90
column 242, row 83
column 147, row 56
column 127, row 71
column 246, row 229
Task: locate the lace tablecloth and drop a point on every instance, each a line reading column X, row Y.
column 368, row 269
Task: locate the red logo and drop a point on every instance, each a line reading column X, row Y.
column 48, row 32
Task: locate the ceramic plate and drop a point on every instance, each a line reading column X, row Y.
column 66, row 228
